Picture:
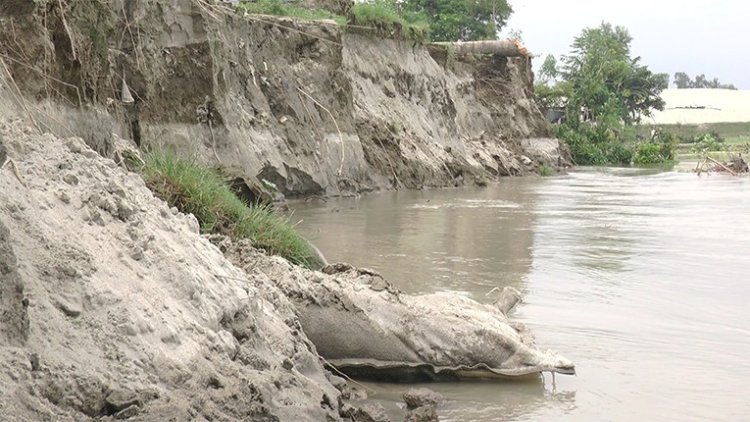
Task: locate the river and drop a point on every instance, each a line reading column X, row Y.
column 641, row 277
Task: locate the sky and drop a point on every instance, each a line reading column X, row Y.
column 692, row 36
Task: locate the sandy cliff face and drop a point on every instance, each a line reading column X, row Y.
column 306, row 106
column 113, row 305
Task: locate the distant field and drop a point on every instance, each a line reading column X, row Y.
column 690, row 113
column 734, row 133
column 700, row 106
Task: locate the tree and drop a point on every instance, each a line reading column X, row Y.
column 602, row 90
column 606, row 83
column 548, row 72
column 682, row 81
column 462, row 20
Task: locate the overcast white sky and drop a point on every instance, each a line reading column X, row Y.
column 711, row 37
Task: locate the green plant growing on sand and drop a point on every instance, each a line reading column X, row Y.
column 199, row 191
column 394, row 127
column 545, row 171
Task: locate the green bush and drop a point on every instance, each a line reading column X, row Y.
column 594, row 145
column 648, row 153
column 199, row 191
column 707, row 142
column 545, row 170
column 600, row 145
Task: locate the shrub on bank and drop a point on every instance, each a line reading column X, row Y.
column 592, row 145
column 545, row 171
column 706, row 142
column 201, row 192
column 601, row 145
column 661, row 149
column 385, row 18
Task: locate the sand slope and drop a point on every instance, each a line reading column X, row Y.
column 113, row 304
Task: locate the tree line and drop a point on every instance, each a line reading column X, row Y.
column 683, row 81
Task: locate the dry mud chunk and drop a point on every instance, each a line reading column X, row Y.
column 418, row 397
column 422, row 414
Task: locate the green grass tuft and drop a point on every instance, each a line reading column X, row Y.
column 545, row 171
column 380, row 16
column 199, row 191
column 386, row 20
column 280, row 8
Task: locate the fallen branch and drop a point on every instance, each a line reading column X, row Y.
column 699, row 166
column 721, row 165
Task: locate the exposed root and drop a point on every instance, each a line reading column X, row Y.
column 14, row 167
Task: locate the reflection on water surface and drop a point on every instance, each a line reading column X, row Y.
column 640, row 277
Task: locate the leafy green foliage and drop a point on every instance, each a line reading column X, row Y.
column 606, row 82
column 545, row 171
column 548, row 72
column 727, row 133
column 390, row 18
column 280, row 8
column 550, row 97
column 683, row 81
column 462, row 20
column 707, row 142
column 199, row 191
column 595, row 145
column 661, row 149
column 386, row 17
column 420, row 20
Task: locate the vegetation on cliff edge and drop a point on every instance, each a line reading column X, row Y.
column 420, row 20
column 199, row 191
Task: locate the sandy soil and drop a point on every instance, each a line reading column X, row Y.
column 112, row 304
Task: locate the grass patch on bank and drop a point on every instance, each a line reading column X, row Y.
column 730, row 133
column 545, row 171
column 280, row 8
column 386, row 20
column 380, row 17
column 199, row 191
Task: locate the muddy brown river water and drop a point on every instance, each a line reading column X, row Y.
column 642, row 278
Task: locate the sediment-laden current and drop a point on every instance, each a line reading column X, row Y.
column 640, row 277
